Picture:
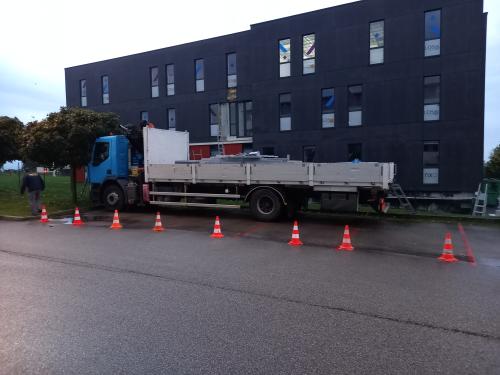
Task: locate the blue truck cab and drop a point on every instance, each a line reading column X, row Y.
column 108, row 173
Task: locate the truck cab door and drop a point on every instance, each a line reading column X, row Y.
column 101, row 164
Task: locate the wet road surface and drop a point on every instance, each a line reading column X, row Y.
column 92, row 300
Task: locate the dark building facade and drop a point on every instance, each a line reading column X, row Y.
column 374, row 80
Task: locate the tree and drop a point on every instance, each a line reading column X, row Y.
column 67, row 137
column 492, row 167
column 11, row 130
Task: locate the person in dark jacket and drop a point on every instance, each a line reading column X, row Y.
column 35, row 185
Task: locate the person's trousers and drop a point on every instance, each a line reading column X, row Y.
column 34, row 197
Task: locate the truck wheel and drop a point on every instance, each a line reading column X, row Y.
column 113, row 198
column 266, row 205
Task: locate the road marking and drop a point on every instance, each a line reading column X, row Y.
column 470, row 253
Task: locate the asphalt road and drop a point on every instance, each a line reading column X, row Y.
column 91, row 300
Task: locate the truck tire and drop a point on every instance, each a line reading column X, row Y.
column 113, row 198
column 266, row 205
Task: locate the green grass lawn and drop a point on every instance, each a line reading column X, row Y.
column 56, row 197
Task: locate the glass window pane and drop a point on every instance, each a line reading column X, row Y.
column 171, row 89
column 233, row 119
column 354, row 152
column 249, row 119
column 432, row 47
column 155, row 91
column 355, row 118
column 432, row 112
column 154, row 76
column 285, row 50
column 170, row 74
column 327, row 100
column 328, row 120
column 101, row 153
column 214, row 130
column 105, row 89
column 214, row 114
column 232, row 81
column 84, row 101
column 144, row 116
column 231, row 64
column 309, row 152
column 377, row 34
column 200, row 85
column 431, row 176
column 284, row 70
column 105, row 85
column 309, row 46
column 171, row 119
column 355, row 98
column 285, row 123
column 285, row 105
column 376, row 56
column 433, row 25
column 309, row 66
column 200, row 69
column 241, row 119
column 83, row 87
column 432, row 89
column 431, row 154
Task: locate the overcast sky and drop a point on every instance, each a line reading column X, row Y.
column 39, row 38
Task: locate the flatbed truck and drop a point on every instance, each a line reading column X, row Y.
column 154, row 168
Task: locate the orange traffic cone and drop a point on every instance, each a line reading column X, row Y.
column 217, row 231
column 346, row 241
column 158, row 226
column 77, row 220
column 295, row 241
column 44, row 219
column 116, row 221
column 447, row 255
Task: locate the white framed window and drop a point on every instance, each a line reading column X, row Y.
column 432, row 98
column 432, row 33
column 83, row 92
column 309, row 54
column 285, row 112
column 328, row 108
column 377, row 36
column 155, row 88
column 105, row 89
column 285, row 56
column 170, row 70
column 144, row 116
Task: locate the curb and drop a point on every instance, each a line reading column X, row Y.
column 17, row 218
column 405, row 217
column 54, row 215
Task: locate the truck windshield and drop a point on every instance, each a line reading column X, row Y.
column 101, row 153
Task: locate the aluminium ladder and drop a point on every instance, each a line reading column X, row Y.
column 480, row 201
column 404, row 202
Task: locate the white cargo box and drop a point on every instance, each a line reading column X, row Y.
column 164, row 147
